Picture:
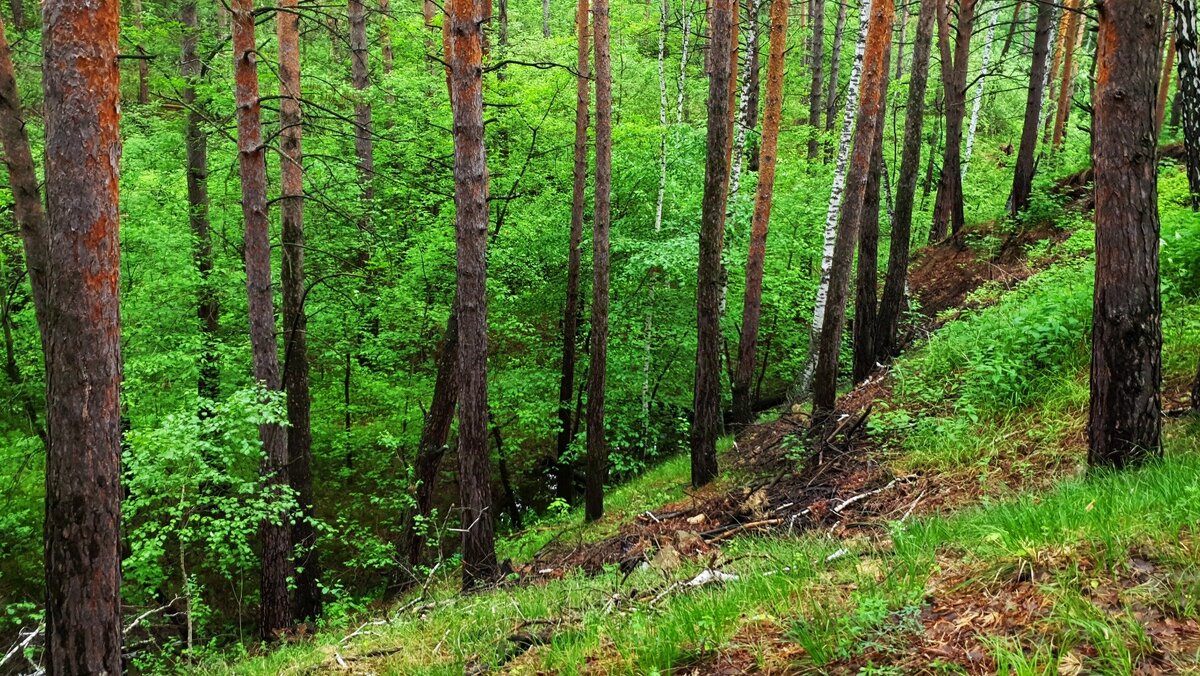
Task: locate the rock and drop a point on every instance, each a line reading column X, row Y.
column 688, row 542
column 666, row 559
column 696, row 520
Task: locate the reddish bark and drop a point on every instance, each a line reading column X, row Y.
column 1164, row 86
column 866, row 310
column 1125, row 418
column 82, row 337
column 1067, row 89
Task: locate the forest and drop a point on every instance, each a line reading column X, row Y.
column 600, row 336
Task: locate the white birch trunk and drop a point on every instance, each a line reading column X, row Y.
column 683, row 60
column 743, row 116
column 1045, row 114
column 983, row 72
column 801, row 387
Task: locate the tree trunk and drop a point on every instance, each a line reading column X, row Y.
column 143, row 64
column 835, row 66
column 208, row 307
column 752, row 305
column 1125, row 418
column 434, row 434
column 801, row 386
column 295, row 323
column 545, row 18
column 566, row 387
column 870, row 115
column 360, row 79
column 977, row 105
column 463, row 39
column 816, row 58
column 1067, row 90
column 648, row 328
column 18, row 12
column 1058, row 39
column 276, row 614
column 82, row 338
column 1012, row 28
column 1164, row 86
column 1187, row 41
column 683, row 61
column 1023, row 175
column 597, row 450
column 894, row 286
column 510, row 496
column 866, row 310
column 385, row 35
column 948, row 212
column 902, row 29
column 707, row 399
column 745, row 111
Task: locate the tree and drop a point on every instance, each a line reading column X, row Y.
column 755, row 259
column 1187, row 41
column 870, row 116
column 707, row 400
column 1164, row 86
column 196, row 140
column 1067, row 89
column 816, row 50
column 977, row 103
column 835, row 65
column 597, row 451
column 434, row 433
column 1012, row 28
column 948, row 212
column 275, row 610
column 18, row 12
column 1125, row 418
column 1023, row 175
column 866, row 309
column 566, row 387
column 295, row 320
column 82, row 330
column 894, row 285
column 463, row 37
column 360, row 79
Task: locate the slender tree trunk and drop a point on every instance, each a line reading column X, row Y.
column 434, row 434
column 745, row 111
column 648, row 328
column 870, row 115
column 545, row 18
column 295, row 323
column 707, row 400
column 816, row 59
column 977, row 105
column 510, row 496
column 1067, row 90
column 566, row 388
column 1187, row 41
column 1164, row 86
column 1056, row 60
column 1012, row 28
column 597, row 449
column 360, row 79
column 948, row 212
column 208, row 307
column 1125, row 418
column 462, row 33
column 82, row 338
column 385, row 35
column 902, row 30
column 276, row 612
column 836, row 195
column 143, row 65
column 835, row 67
column 683, row 61
column 18, row 12
column 752, row 305
column 1023, row 176
column 894, row 286
column 866, row 310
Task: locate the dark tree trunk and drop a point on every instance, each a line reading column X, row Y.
column 948, row 212
column 385, row 35
column 1023, row 175
column 597, row 450
column 870, row 115
column 1066, row 90
column 892, row 304
column 18, row 12
column 1125, row 418
column 360, row 79
column 295, row 322
column 83, row 335
column 1012, row 28
column 276, row 612
column 510, row 496
column 901, row 30
column 707, row 400
column 835, row 67
column 208, row 382
column 1187, row 41
column 436, row 430
column 463, row 37
column 743, row 413
column 816, row 51
column 143, row 65
column 566, row 388
column 866, row 309
column 754, row 85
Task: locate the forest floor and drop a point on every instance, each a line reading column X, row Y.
column 928, row 536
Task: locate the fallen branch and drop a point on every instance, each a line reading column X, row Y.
column 728, row 533
column 861, row 496
column 138, row 620
column 19, row 647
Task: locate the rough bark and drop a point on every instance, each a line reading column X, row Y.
column 1187, row 42
column 892, row 303
column 566, row 387
column 1067, row 88
column 752, row 304
column 434, row 434
column 948, row 213
column 208, row 309
column 1058, row 39
column 597, row 450
column 82, row 337
column 295, row 322
column 463, row 38
column 866, row 309
column 1125, row 418
column 275, row 610
column 707, row 399
column 835, row 67
column 360, row 79
column 385, row 36
column 870, row 115
column 816, row 58
column 747, row 104
column 1023, row 175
